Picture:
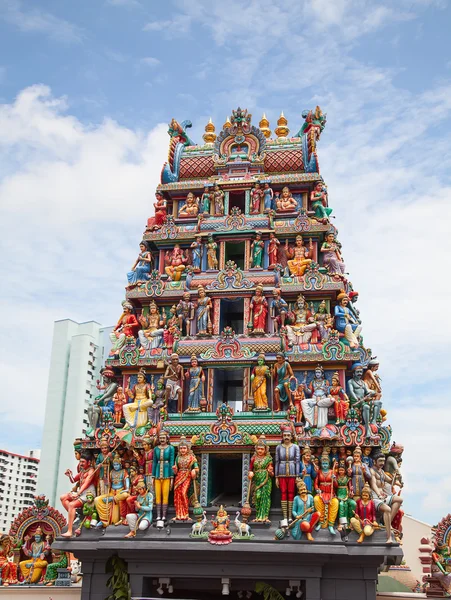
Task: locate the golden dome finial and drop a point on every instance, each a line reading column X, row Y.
column 227, row 123
column 282, row 130
column 264, row 126
column 209, row 135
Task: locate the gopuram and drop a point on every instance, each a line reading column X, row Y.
column 239, row 435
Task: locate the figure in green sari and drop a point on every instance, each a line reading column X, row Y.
column 260, row 476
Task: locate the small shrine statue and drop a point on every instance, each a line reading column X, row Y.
column 186, row 470
column 8, row 570
column 185, row 313
column 218, row 197
column 141, row 267
column 259, row 375
column 362, row 398
column 298, row 396
column 268, row 196
column 346, row 505
column 111, row 507
column 162, row 473
column 103, row 466
column 341, row 401
column 171, row 328
column 308, row 470
column 126, row 327
column 345, row 321
column 261, row 472
column 173, row 377
column 358, row 473
column 220, row 533
column 135, row 413
column 151, row 334
column 196, row 253
column 364, row 520
column 90, row 516
column 141, row 518
column 203, row 312
column 303, row 327
column 325, row 500
column 315, row 407
column 282, row 373
column 196, row 377
column 372, row 378
column 257, row 252
column 205, row 201
column 288, row 464
column 324, row 321
column 85, row 483
column 332, row 257
column 159, row 403
column 286, row 202
column 258, row 311
column 104, row 403
column 212, row 260
column 387, row 505
column 119, row 400
column 304, row 513
column 318, row 199
column 35, row 563
column 273, row 249
column 279, row 310
column 256, row 199
column 300, row 257
column 190, row 209
column 147, row 460
column 156, row 222
column 175, row 263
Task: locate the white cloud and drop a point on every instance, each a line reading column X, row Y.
column 170, row 28
column 150, row 61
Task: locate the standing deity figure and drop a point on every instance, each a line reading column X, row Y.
column 36, row 553
column 8, row 570
column 162, row 473
column 358, row 472
column 158, row 397
column 282, row 373
column 268, row 196
column 346, row 503
column 185, row 313
column 256, row 199
column 85, row 483
column 299, row 256
column 172, row 326
column 111, row 507
column 218, row 197
column 141, row 267
column 205, row 201
column 190, row 209
column 151, row 334
column 141, row 517
column 186, row 470
column 126, row 327
column 257, row 252
column 345, row 321
column 104, row 403
column 364, row 520
column 308, row 470
column 273, row 249
column 325, row 500
column 261, row 472
column 298, row 397
column 119, row 400
column 362, row 398
column 259, row 375
column 135, row 479
column 353, row 297
column 304, row 513
column 303, row 328
column 341, row 400
column 212, row 260
column 173, row 377
column 135, row 413
column 279, row 310
column 386, row 504
column 258, row 311
column 203, row 312
column 372, row 378
column 286, row 202
column 316, row 406
column 332, row 256
column 103, row 466
column 156, row 222
column 288, row 464
column 175, row 261
column 318, row 199
column 324, row 321
column 196, row 253
column 147, row 460
column 196, row 377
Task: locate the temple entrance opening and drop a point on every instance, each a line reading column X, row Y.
column 235, row 251
column 226, row 476
column 232, row 315
column 237, row 199
column 228, row 388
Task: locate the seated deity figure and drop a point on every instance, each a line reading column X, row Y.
column 303, row 328
column 151, row 334
column 156, row 222
column 36, row 552
column 318, row 198
column 345, row 321
column 387, row 505
column 299, row 256
column 362, row 398
column 315, row 406
column 324, row 320
column 112, row 507
column 364, row 521
column 141, row 267
column 126, row 327
column 190, row 209
column 286, row 202
column 175, row 263
column 135, row 413
column 104, row 403
column 372, row 378
column 332, row 256
column 85, row 483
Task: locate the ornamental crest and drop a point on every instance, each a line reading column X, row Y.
column 242, row 142
column 230, row 277
column 228, row 346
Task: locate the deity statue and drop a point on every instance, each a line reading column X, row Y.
column 279, row 310
column 173, row 380
column 256, row 199
column 196, row 377
column 260, row 475
column 218, row 197
column 141, row 267
column 257, row 252
column 268, row 196
column 304, row 513
column 286, row 202
column 273, row 250
column 308, row 470
column 162, row 473
column 324, row 321
column 203, row 312
column 325, row 500
column 141, row 517
column 196, row 253
column 8, row 570
column 372, row 378
column 259, row 375
column 345, row 321
column 205, row 201
column 119, row 400
column 364, row 520
column 300, row 257
column 111, row 507
column 175, row 263
column 366, row 458
column 186, row 470
column 362, row 398
column 104, row 403
column 185, row 313
column 341, row 400
column 147, row 460
column 346, row 505
column 298, row 396
column 35, row 563
column 220, row 533
column 156, row 222
column 190, row 209
column 332, row 256
column 288, row 463
column 303, row 328
column 358, row 473
column 318, row 198
column 151, row 334
column 315, row 407
column 135, row 413
column 258, row 311
column 90, row 516
column 212, row 260
column 126, row 327
column 103, row 466
column 171, row 328
column 159, row 402
column 282, row 373
column 386, row 504
column 76, row 498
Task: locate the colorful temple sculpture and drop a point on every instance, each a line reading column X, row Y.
column 435, row 556
column 238, row 385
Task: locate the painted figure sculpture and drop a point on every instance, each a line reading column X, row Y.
column 288, row 463
column 261, row 472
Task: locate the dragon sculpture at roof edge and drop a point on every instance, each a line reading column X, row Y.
column 179, row 139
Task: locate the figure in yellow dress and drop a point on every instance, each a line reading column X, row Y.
column 300, row 256
column 260, row 374
column 135, row 413
column 34, row 565
column 112, row 507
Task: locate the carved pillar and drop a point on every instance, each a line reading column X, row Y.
column 246, row 390
column 247, row 255
column 216, row 315
column 245, row 471
column 305, row 200
column 161, row 261
column 204, row 463
column 211, row 387
column 246, row 315
column 221, row 254
column 175, row 209
column 226, row 203
column 247, row 201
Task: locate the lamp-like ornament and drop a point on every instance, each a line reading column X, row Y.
column 209, row 135
column 227, row 123
column 264, row 126
column 282, row 130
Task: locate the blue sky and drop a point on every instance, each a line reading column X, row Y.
column 86, row 92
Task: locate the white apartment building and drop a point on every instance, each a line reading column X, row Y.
column 79, row 351
column 18, row 481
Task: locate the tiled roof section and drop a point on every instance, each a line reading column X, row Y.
column 284, row 161
column 196, row 166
